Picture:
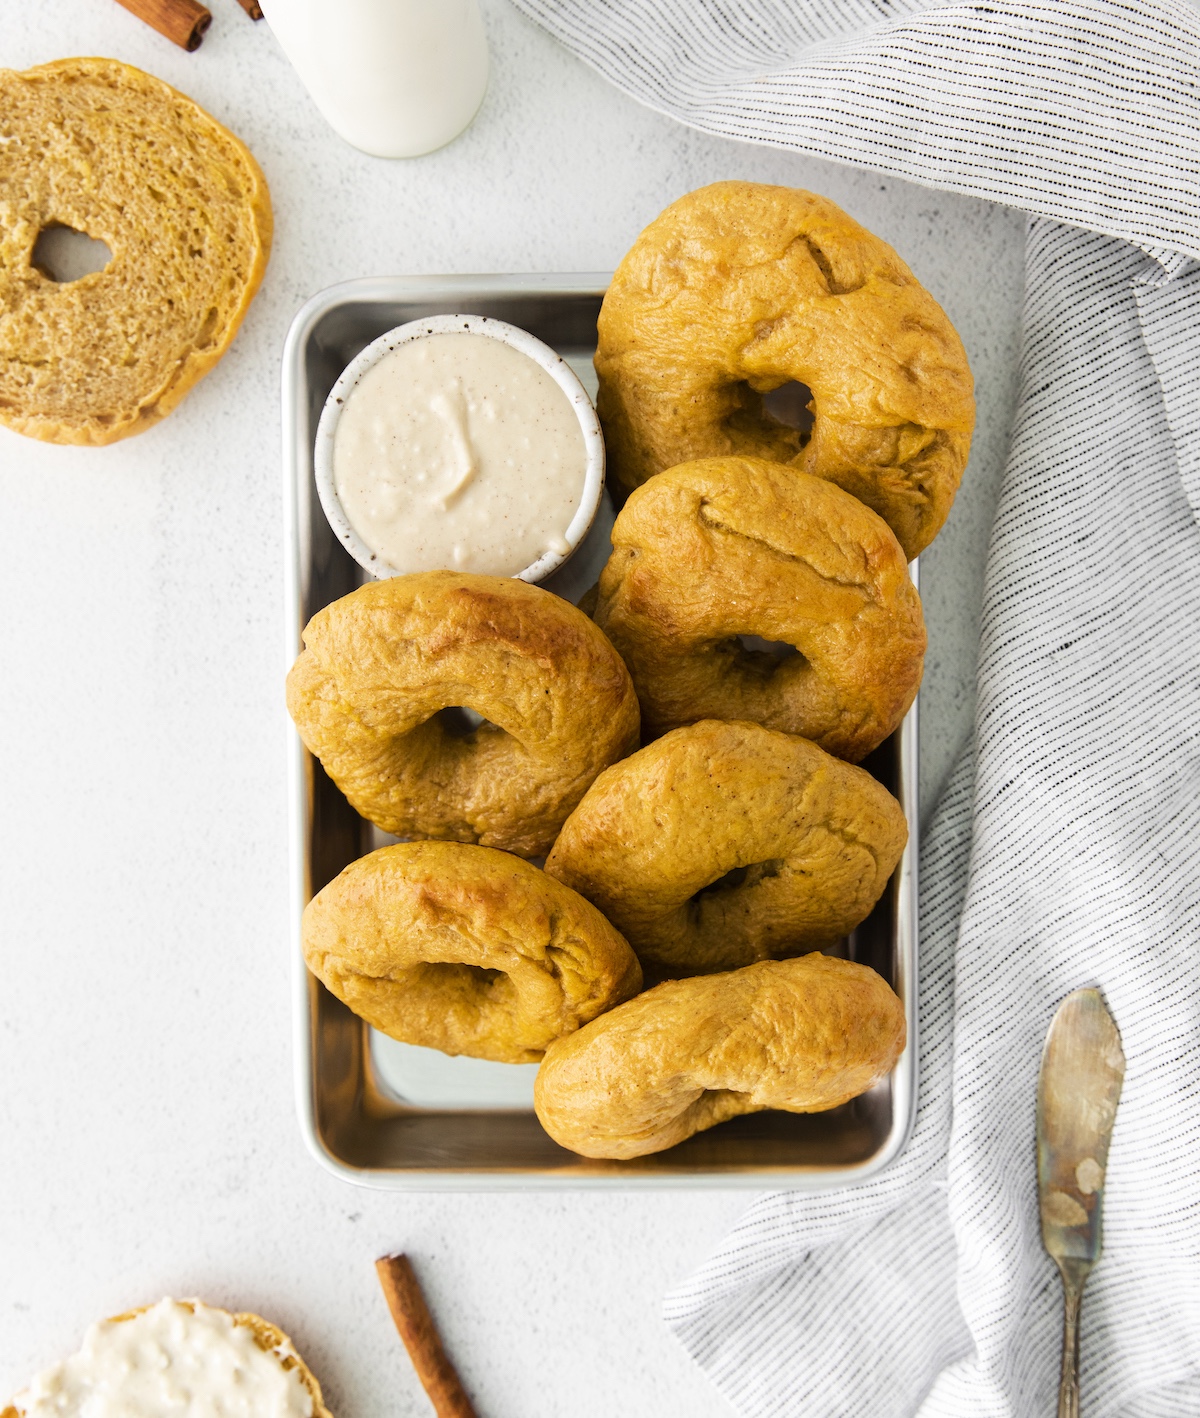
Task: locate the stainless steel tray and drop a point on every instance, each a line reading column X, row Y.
column 385, row 1114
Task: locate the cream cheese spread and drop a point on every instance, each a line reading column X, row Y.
column 170, row 1361
column 458, row 452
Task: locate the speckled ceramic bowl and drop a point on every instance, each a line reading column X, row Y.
column 541, row 354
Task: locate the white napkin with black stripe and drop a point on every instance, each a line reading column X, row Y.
column 1067, row 852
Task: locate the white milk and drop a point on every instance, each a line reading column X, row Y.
column 395, row 78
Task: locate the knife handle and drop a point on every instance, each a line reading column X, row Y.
column 1068, row 1387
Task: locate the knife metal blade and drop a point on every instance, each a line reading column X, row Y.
column 1083, row 1068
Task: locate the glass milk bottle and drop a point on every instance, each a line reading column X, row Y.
column 396, row 78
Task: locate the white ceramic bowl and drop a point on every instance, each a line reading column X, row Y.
column 541, row 354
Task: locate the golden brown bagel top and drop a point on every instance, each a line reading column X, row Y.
column 738, row 288
column 724, row 547
column 800, row 1035
column 465, row 949
column 381, row 662
column 812, row 842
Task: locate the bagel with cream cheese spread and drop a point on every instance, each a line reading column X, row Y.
column 218, row 1361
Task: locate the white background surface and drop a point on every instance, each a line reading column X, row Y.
column 147, row 1137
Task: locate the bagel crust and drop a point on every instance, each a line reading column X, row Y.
column 725, row 547
column 103, row 148
column 465, row 949
column 739, row 288
column 799, row 1035
column 811, row 843
column 271, row 1338
column 381, row 662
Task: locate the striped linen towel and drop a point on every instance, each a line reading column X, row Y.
column 1067, row 851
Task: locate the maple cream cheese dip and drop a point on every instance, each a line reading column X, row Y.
column 170, row 1361
column 454, row 449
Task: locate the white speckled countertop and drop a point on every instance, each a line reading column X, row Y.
column 147, row 1138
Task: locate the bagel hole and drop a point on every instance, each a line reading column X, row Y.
column 729, row 882
column 777, row 649
column 459, row 722
column 481, row 975
column 63, row 254
column 739, row 877
column 476, row 977
column 764, row 656
column 789, row 405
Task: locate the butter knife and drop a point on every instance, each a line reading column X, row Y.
column 1083, row 1068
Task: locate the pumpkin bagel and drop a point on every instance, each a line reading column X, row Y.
column 722, row 844
column 800, row 1035
column 379, row 664
column 713, row 550
column 105, row 149
column 465, row 949
column 292, row 1387
column 739, row 288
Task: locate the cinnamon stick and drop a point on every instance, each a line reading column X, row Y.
column 252, row 8
column 421, row 1339
column 182, row 21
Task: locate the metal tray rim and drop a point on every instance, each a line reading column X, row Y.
column 810, row 1178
